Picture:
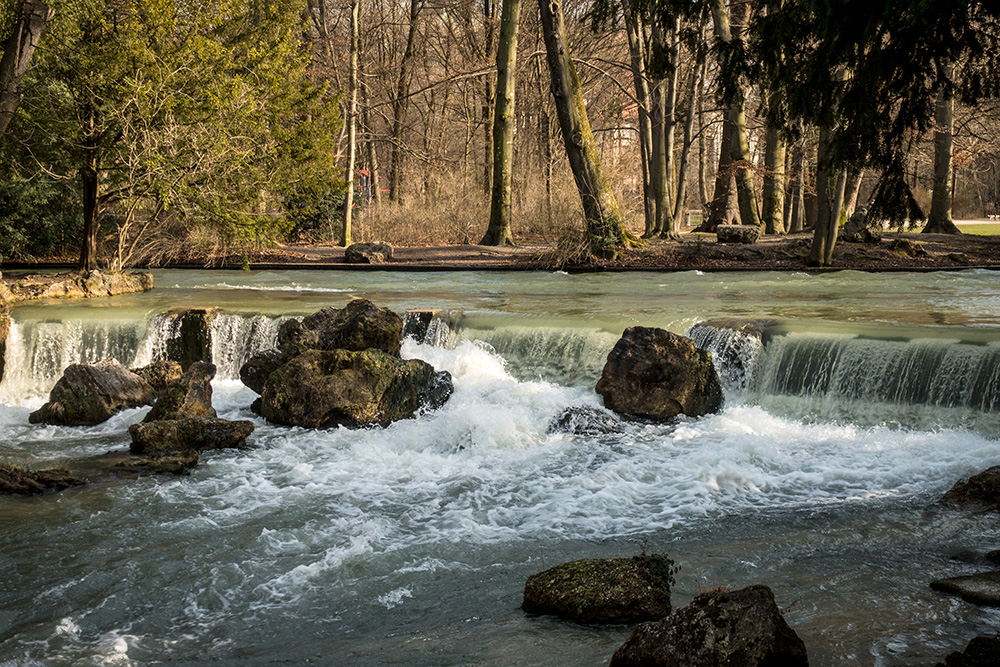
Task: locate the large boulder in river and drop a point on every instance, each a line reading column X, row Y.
column 656, row 374
column 188, row 396
column 980, row 491
column 741, row 628
column 160, row 374
column 190, row 433
column 603, row 590
column 983, row 651
column 358, row 326
column 89, row 394
column 320, row 388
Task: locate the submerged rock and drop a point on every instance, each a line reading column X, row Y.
column 368, row 253
column 351, row 388
column 656, row 374
column 190, row 433
column 982, row 651
column 15, row 480
column 603, row 590
column 188, row 396
column 173, row 463
column 89, row 394
column 585, row 421
column 741, row 628
column 980, row 491
column 981, row 589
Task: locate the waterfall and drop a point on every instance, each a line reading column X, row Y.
column 39, row 350
column 235, row 338
column 918, row 382
column 735, row 349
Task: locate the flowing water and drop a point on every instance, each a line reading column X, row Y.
column 861, row 401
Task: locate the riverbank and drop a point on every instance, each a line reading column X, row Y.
column 906, row 251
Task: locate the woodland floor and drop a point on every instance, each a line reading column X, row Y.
column 692, row 252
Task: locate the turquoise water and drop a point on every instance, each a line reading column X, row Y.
column 410, row 545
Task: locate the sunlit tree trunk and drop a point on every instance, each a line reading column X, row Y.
column 680, row 205
column 635, row 32
column 605, row 227
column 352, row 114
column 853, row 190
column 830, row 199
column 939, row 221
column 719, row 206
column 31, row 19
column 774, row 183
column 499, row 232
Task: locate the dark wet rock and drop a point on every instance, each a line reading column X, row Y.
column 656, row 374
column 259, row 367
column 860, row 229
column 4, row 333
column 368, row 253
column 603, row 590
column 322, row 388
column 159, row 374
column 983, row 651
column 416, row 324
column 907, row 248
column 174, row 463
column 969, row 556
column 188, row 396
column 741, row 628
column 193, row 341
column 737, row 233
column 191, row 433
column 15, row 480
column 980, row 491
column 579, row 420
column 993, row 556
column 981, row 589
column 89, row 394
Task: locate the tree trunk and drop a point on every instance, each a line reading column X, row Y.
column 830, row 201
column 90, row 185
column 544, row 140
column 352, row 114
column 680, row 205
column 718, row 207
column 939, row 221
column 636, row 46
column 853, row 190
column 400, row 104
column 774, row 182
column 499, row 232
column 798, row 214
column 24, row 37
column 665, row 219
column 605, row 228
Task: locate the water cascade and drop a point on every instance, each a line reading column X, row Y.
column 848, row 415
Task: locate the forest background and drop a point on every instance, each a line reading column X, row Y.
column 154, row 131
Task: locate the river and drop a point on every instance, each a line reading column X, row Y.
column 870, row 395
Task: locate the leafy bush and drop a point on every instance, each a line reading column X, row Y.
column 38, row 217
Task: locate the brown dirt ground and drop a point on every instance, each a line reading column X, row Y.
column 692, row 252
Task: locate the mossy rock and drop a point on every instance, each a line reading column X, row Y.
column 603, row 590
column 980, row 491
